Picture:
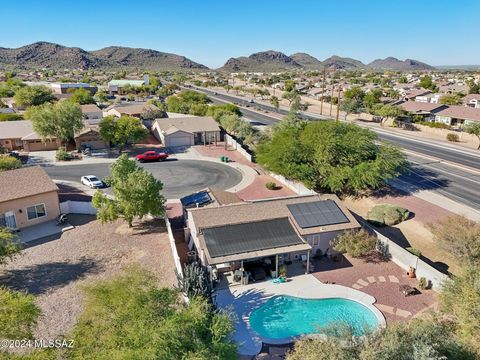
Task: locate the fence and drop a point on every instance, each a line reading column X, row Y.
column 406, row 259
column 296, row 186
column 237, row 146
column 171, row 239
column 77, row 207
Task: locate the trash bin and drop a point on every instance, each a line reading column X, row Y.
column 222, row 158
column 226, row 159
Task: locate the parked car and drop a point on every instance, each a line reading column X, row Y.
column 151, row 156
column 251, row 101
column 92, row 181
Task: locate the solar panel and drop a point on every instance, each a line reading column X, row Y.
column 200, row 198
column 317, row 213
column 254, row 236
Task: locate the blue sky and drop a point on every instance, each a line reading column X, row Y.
column 440, row 32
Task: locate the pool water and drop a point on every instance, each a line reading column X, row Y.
column 287, row 316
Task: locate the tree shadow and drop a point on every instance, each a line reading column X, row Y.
column 419, row 178
column 41, row 278
column 68, row 192
column 149, row 226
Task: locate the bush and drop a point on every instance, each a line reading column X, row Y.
column 18, row 314
column 423, row 283
column 10, row 117
column 271, row 185
column 386, row 214
column 434, row 125
column 414, row 251
column 62, row 155
column 453, row 137
column 355, row 243
column 9, row 163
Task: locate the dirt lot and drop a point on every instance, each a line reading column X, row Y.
column 55, row 270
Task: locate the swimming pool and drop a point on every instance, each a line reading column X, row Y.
column 287, row 316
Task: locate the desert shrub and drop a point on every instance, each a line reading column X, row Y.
column 453, row 137
column 386, row 214
column 62, row 155
column 271, row 185
column 18, row 314
column 422, row 283
column 9, row 163
column 355, row 243
column 434, row 125
column 414, row 251
column 10, row 117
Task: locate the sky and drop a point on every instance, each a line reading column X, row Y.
column 440, row 32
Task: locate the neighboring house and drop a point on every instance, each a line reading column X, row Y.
column 472, row 100
column 17, row 135
column 272, row 231
column 186, row 131
column 457, row 116
column 412, row 94
column 429, row 98
column 65, row 88
column 28, row 197
column 116, row 86
column 92, row 113
column 425, row 110
column 133, row 109
column 90, row 137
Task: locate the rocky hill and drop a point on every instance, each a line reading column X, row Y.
column 48, row 55
column 391, row 63
column 265, row 61
column 343, row 63
column 307, row 61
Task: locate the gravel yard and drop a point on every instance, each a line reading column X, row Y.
column 55, row 271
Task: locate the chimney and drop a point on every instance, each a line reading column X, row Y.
column 146, row 79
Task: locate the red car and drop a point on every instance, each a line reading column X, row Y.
column 151, row 156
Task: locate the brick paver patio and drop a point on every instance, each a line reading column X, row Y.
column 380, row 279
column 257, row 189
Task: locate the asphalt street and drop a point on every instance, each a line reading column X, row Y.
column 179, row 177
column 430, row 162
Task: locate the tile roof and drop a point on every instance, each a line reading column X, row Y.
column 460, row 112
column 131, row 109
column 187, row 124
column 90, row 108
column 15, row 129
column 24, row 182
column 420, row 107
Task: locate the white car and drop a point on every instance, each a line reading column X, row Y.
column 92, row 181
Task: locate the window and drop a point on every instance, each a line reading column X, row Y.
column 36, row 211
column 316, row 240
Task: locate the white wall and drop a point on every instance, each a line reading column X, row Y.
column 231, row 142
column 77, row 207
column 173, row 247
column 296, row 186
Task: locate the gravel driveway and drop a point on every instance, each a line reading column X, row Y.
column 55, row 270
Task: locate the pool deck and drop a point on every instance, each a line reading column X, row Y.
column 242, row 300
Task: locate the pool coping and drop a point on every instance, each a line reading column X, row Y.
column 303, row 286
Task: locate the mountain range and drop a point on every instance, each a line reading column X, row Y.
column 54, row 56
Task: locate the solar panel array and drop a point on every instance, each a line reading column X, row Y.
column 317, row 213
column 200, row 198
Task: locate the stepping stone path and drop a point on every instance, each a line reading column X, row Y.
column 393, row 279
column 371, row 279
column 381, row 279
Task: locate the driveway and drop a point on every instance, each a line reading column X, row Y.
column 179, row 177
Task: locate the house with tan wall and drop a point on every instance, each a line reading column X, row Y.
column 27, row 197
column 19, row 135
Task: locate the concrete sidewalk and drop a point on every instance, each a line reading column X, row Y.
column 43, row 230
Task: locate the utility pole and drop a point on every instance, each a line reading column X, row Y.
column 331, row 99
column 338, row 102
column 323, row 90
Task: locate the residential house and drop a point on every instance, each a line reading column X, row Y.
column 19, row 135
column 130, row 109
column 412, row 94
column 455, row 115
column 421, row 109
column 267, row 233
column 472, row 100
column 92, row 114
column 90, row 137
column 186, row 131
column 429, row 98
column 28, row 197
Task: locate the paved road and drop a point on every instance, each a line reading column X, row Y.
column 179, row 178
column 451, row 181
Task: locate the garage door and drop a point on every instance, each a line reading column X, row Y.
column 179, row 141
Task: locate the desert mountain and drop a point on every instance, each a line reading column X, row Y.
column 391, row 63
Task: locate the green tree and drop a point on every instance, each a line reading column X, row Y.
column 274, row 101
column 101, row 96
column 383, row 112
column 82, row 96
column 9, row 245
column 188, row 102
column 122, row 131
column 33, row 96
column 136, row 193
column 329, row 156
column 426, row 82
column 452, row 99
column 474, row 129
column 289, row 86
column 474, row 89
column 351, row 106
column 460, row 300
column 130, row 317
column 290, row 96
column 372, row 98
column 402, row 79
column 354, row 93
column 9, row 163
column 61, row 120
column 18, row 314
column 355, row 243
